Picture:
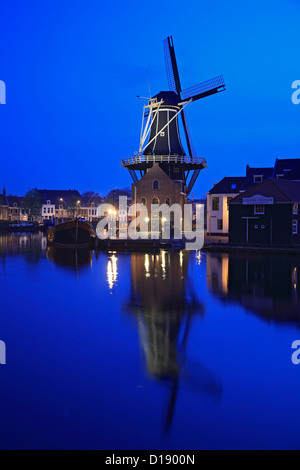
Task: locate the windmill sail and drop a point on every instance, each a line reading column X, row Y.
column 171, row 66
column 209, row 87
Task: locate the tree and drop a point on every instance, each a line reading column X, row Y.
column 74, row 206
column 32, row 204
column 113, row 195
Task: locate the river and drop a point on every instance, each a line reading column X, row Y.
column 160, row 351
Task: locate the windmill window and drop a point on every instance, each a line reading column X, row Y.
column 162, row 134
column 155, row 185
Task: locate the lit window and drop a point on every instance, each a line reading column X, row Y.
column 228, row 200
column 155, row 184
column 259, row 209
column 295, row 227
column 295, row 208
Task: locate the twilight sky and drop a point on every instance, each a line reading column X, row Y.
column 73, row 69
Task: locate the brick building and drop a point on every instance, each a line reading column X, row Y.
column 156, row 187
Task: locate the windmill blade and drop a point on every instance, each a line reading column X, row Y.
column 203, row 89
column 191, row 148
column 171, row 65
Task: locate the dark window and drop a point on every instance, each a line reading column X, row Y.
column 176, row 170
column 259, row 209
column 144, row 201
column 220, row 224
column 168, row 201
column 155, row 201
column 155, row 184
column 215, row 203
column 257, row 178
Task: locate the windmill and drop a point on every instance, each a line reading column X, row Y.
column 160, row 140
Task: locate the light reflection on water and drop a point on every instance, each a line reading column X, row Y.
column 152, row 351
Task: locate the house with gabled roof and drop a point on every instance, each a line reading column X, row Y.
column 228, row 188
column 266, row 214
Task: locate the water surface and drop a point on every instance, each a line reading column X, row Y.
column 147, row 351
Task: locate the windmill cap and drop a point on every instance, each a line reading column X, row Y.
column 169, row 97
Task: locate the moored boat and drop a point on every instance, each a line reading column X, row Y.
column 72, row 234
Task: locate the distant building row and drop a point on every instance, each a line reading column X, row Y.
column 55, row 204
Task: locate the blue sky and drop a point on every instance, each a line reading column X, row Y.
column 73, row 69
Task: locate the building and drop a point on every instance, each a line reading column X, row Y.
column 67, row 204
column 266, row 214
column 217, row 203
column 11, row 207
column 59, row 204
column 3, row 206
column 229, row 187
column 287, row 168
column 15, row 211
column 156, row 188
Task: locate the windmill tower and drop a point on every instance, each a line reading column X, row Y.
column 160, row 141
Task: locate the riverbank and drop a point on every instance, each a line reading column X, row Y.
column 229, row 248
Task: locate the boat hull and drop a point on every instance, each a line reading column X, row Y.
column 73, row 234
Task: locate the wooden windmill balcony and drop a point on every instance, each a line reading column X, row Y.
column 140, row 162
